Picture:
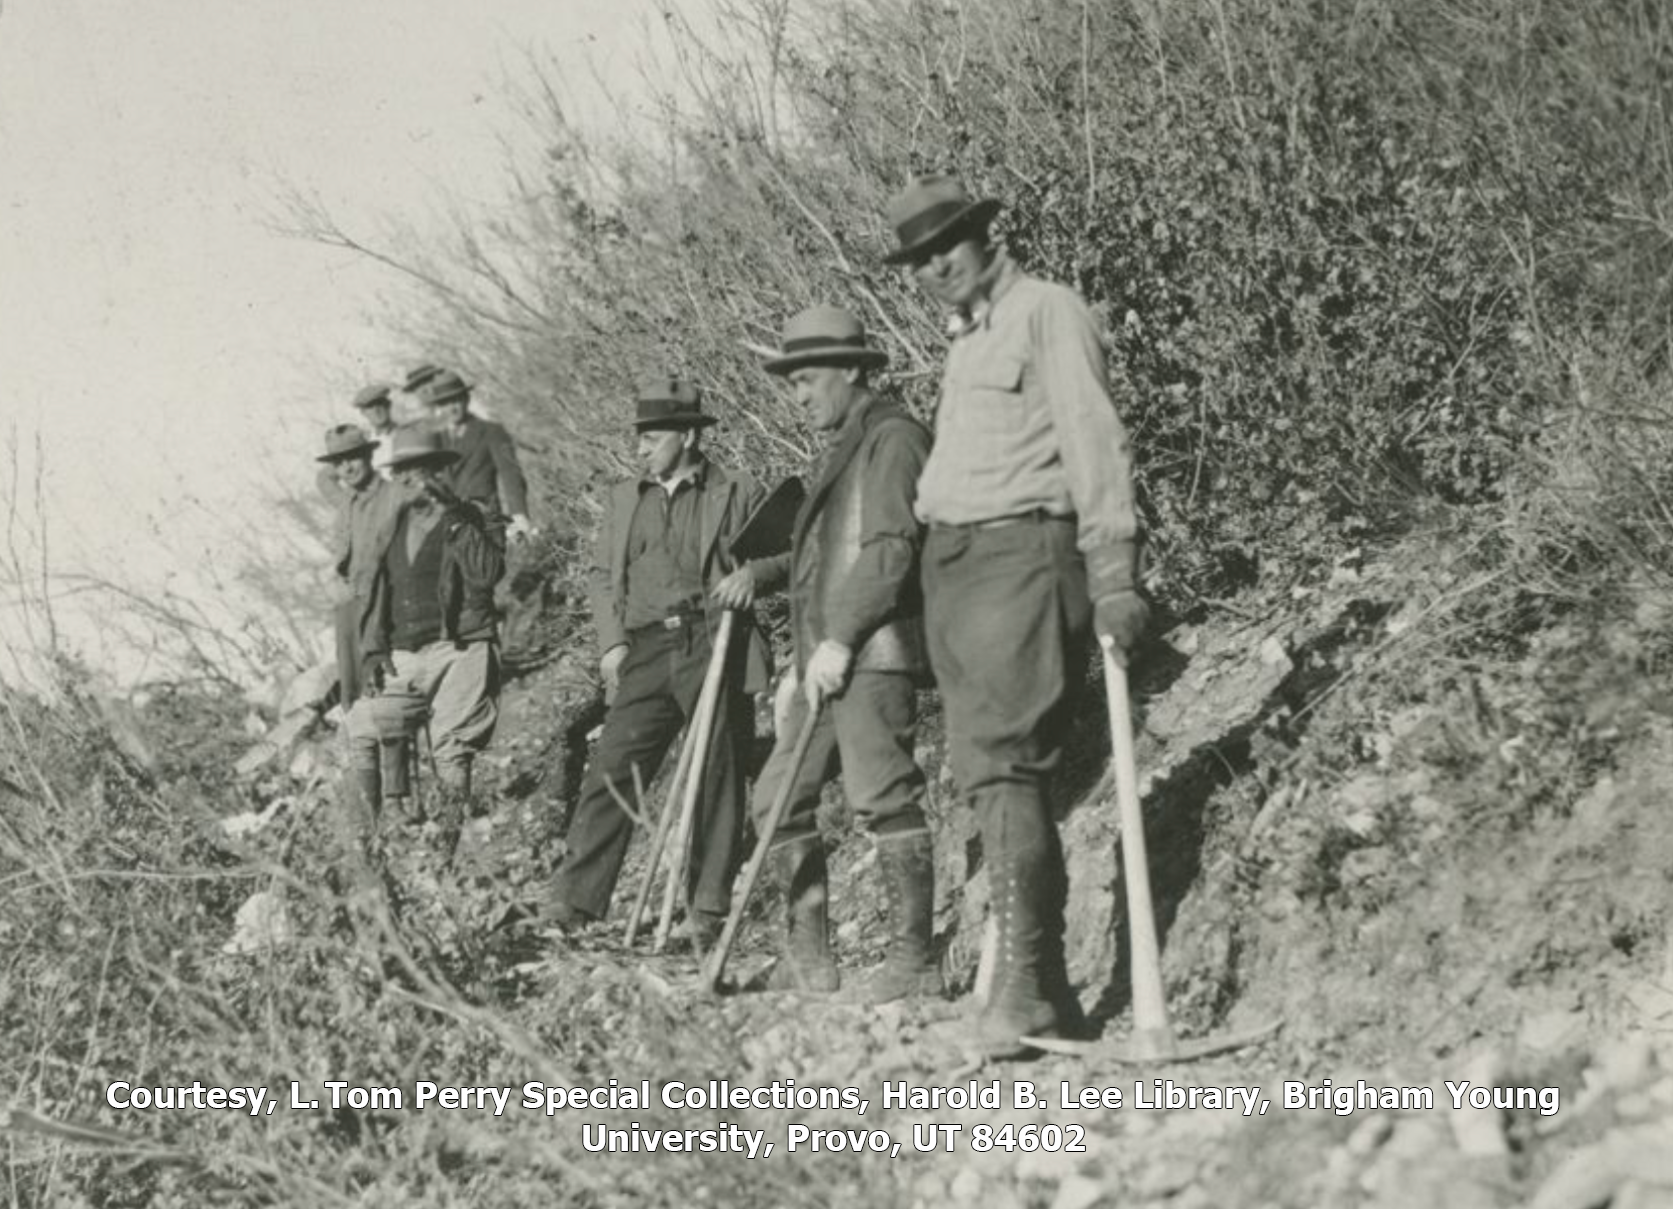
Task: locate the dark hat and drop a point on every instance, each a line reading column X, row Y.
column 670, row 403
column 378, row 392
column 344, row 441
column 928, row 211
column 416, row 445
column 825, row 335
column 418, row 376
column 446, row 387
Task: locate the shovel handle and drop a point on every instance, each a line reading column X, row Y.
column 1151, row 1031
column 659, row 839
column 715, row 964
column 703, row 719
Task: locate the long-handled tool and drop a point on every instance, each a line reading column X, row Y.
column 715, row 964
column 1153, row 1038
column 670, row 808
column 702, row 722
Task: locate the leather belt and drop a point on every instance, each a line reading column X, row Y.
column 1034, row 516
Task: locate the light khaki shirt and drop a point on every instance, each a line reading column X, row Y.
column 1025, row 421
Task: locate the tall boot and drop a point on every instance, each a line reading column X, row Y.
column 806, row 964
column 907, row 863
column 1022, row 883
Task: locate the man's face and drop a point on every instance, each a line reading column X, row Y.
column 451, row 415
column 826, row 392
column 953, row 275
column 377, row 416
column 411, row 481
column 353, row 474
column 663, row 451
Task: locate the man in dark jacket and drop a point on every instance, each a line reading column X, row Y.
column 856, row 618
column 487, row 469
column 423, row 575
column 662, row 561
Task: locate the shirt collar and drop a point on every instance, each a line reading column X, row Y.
column 696, row 474
column 1002, row 274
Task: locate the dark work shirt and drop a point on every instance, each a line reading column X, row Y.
column 665, row 551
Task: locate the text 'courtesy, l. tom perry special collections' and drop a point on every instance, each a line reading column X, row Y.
column 597, row 1110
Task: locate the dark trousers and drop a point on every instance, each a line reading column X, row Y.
column 868, row 733
column 1008, row 618
column 660, row 681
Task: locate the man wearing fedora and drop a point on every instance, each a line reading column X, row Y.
column 1028, row 495
column 487, row 469
column 661, row 564
column 423, row 573
column 857, row 624
column 349, row 483
column 377, row 416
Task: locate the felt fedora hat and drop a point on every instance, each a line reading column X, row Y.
column 371, row 396
column 824, row 335
column 669, row 403
column 415, row 445
column 419, row 376
column 929, row 211
column 344, row 441
column 445, row 387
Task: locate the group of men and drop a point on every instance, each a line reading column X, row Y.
column 984, row 555
column 423, row 512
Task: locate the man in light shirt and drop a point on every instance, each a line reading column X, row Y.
column 1028, row 496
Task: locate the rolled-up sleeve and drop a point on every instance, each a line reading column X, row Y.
column 1092, row 442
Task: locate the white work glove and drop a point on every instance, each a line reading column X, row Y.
column 827, row 671
column 610, row 669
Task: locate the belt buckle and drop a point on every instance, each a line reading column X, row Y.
column 673, row 621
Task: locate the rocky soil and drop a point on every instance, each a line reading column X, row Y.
column 1425, row 870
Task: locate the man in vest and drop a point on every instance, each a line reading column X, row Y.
column 423, row 575
column 1028, row 495
column 661, row 564
column 857, row 625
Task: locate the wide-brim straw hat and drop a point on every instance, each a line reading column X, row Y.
column 669, row 403
column 824, row 335
column 344, row 441
column 413, row 445
column 929, row 211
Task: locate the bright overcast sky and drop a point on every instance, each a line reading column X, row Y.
column 155, row 337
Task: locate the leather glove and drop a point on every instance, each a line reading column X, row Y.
column 378, row 671
column 610, row 669
column 827, row 671
column 1119, row 618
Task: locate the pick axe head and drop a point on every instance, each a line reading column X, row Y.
column 768, row 529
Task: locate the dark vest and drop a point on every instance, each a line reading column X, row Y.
column 415, row 607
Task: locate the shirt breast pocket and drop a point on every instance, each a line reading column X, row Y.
column 992, row 396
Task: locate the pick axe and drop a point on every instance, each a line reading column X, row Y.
column 715, row 963
column 1153, row 1038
